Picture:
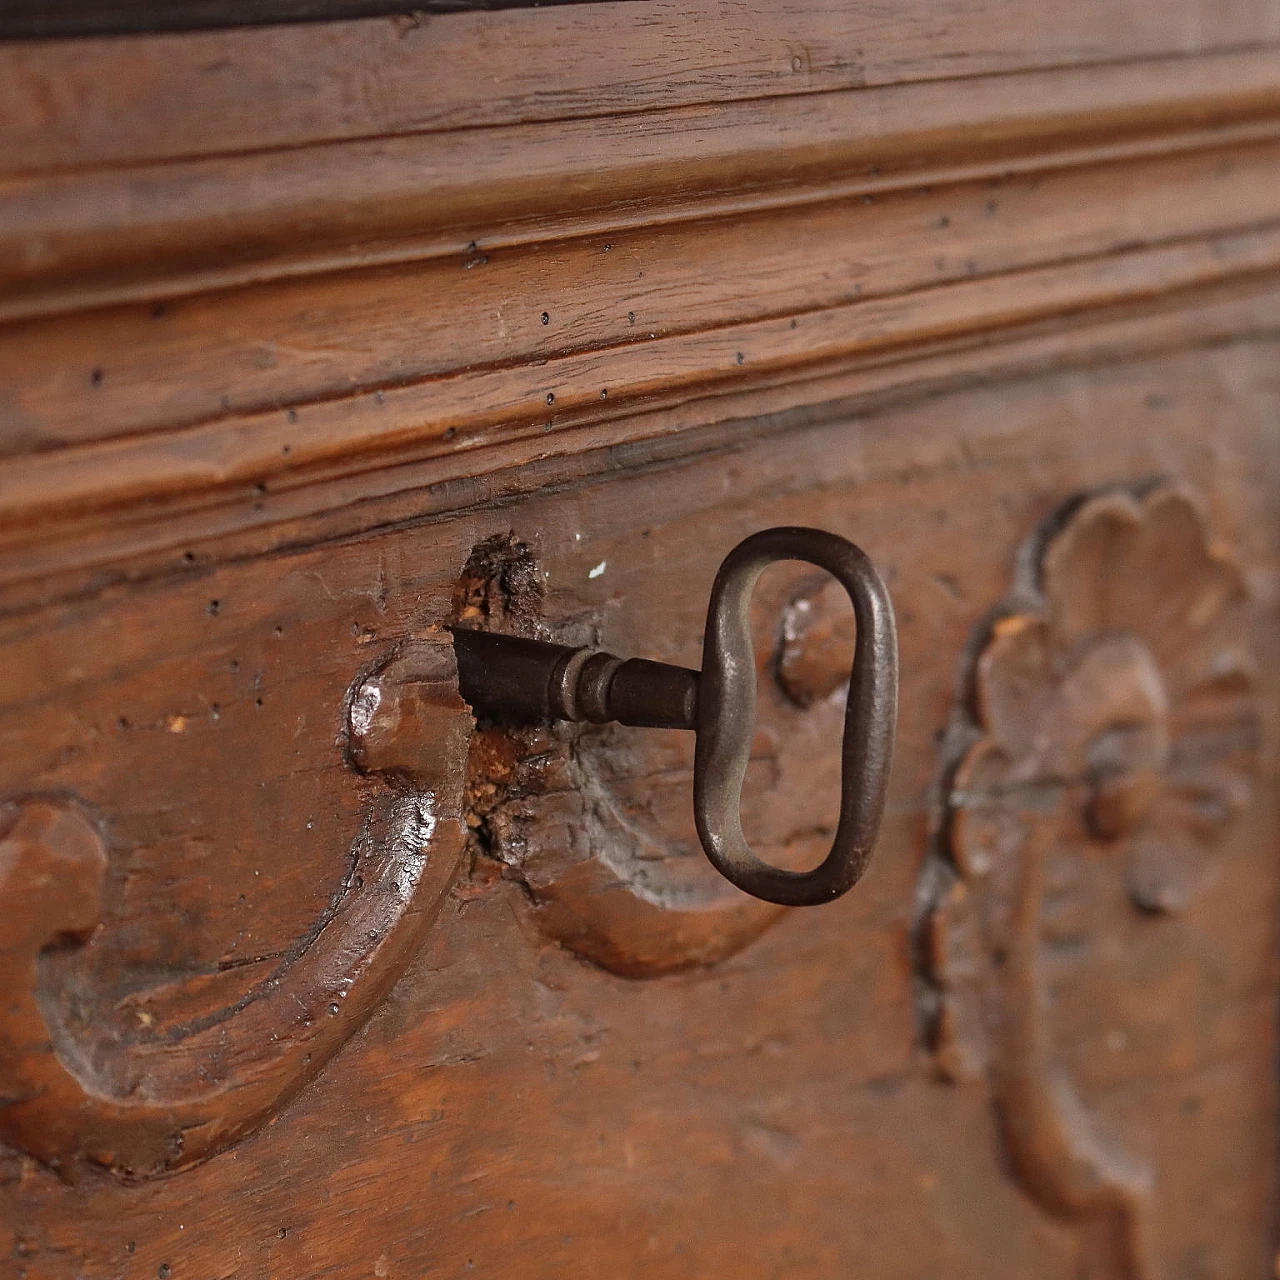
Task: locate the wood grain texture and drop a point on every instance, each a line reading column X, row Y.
column 92, row 554
column 250, row 395
column 226, row 92
column 519, row 1109
column 91, row 235
column 641, row 292
column 210, row 340
column 285, row 448
column 295, row 321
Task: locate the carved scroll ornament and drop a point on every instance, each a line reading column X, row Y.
column 152, row 1105
column 1110, row 745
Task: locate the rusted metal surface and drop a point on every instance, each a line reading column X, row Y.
column 511, row 679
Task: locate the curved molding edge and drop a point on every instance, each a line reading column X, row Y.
column 164, row 1105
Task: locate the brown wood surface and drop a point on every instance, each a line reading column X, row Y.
column 223, row 92
column 97, row 233
column 316, row 339
column 517, row 1107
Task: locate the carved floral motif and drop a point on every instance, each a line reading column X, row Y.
column 1110, row 745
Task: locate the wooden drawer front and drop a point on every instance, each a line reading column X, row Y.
column 601, row 1052
column 319, row 339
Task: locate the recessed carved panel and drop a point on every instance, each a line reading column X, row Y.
column 1106, row 750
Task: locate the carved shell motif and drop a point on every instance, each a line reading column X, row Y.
column 1110, row 745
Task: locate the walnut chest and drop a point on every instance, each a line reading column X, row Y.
column 355, row 364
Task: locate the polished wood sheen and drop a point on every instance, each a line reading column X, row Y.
column 319, row 340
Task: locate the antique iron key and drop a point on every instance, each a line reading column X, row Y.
column 510, row 679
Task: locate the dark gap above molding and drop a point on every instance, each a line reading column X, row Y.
column 41, row 19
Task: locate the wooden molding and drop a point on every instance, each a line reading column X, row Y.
column 91, row 237
column 200, row 340
column 72, row 104
column 470, row 411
